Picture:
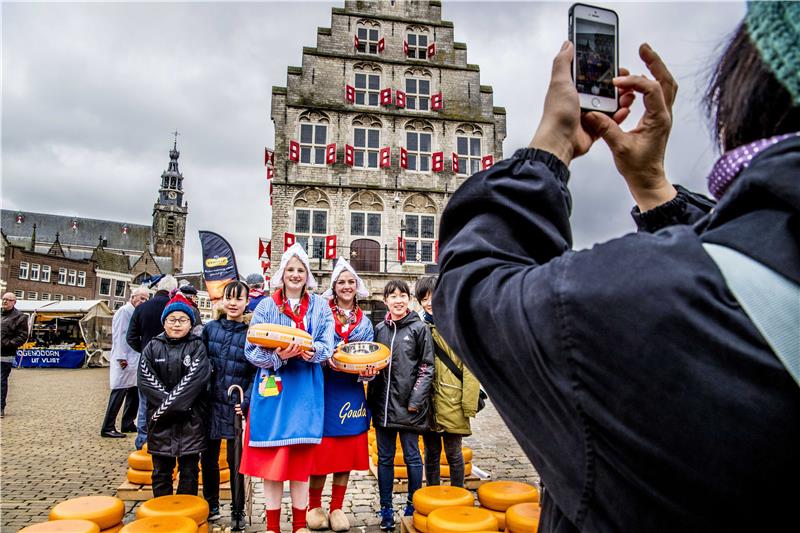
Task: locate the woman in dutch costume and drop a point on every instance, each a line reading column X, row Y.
column 344, row 443
column 286, row 407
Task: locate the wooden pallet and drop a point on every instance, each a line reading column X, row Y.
column 471, row 482
column 133, row 492
column 407, row 524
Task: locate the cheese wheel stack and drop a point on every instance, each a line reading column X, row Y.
column 104, row 511
column 400, row 470
column 523, row 518
column 161, row 524
column 183, row 505
column 428, row 499
column 497, row 496
column 140, row 466
column 460, row 519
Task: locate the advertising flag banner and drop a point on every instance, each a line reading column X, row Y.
column 219, row 263
column 330, row 247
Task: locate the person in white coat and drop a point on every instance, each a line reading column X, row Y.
column 122, row 371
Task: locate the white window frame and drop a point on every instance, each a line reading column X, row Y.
column 366, row 92
column 417, row 240
column 36, row 268
column 33, row 295
column 117, row 283
column 366, row 45
column 62, row 276
column 418, row 156
column 417, row 100
column 23, row 270
column 317, row 238
column 46, row 270
column 365, row 150
column 45, row 296
column 118, row 304
column 81, row 278
column 19, row 295
column 100, row 286
column 313, row 148
column 71, row 277
column 71, row 298
column 417, row 51
column 366, row 215
column 58, row 297
column 467, row 160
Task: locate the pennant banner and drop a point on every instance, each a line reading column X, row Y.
column 269, row 157
column 219, row 263
column 264, row 249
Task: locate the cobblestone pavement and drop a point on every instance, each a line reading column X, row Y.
column 51, row 450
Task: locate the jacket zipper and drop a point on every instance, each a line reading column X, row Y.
column 389, row 377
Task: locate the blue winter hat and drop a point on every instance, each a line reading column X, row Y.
column 774, row 28
column 178, row 303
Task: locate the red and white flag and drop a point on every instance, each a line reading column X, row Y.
column 269, row 157
column 270, row 173
column 264, row 249
column 431, row 49
column 288, row 240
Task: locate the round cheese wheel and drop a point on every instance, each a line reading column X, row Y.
column 523, row 517
column 105, row 511
column 371, row 438
column 140, row 477
column 444, row 470
column 466, row 452
column 275, row 336
column 224, row 476
column 500, row 495
column 354, row 357
column 427, row 499
column 113, row 529
column 501, row 518
column 161, row 524
column 203, row 528
column 460, row 520
column 193, row 507
column 63, row 526
column 139, row 460
column 400, row 472
column 144, row 448
column 223, row 462
column 420, row 522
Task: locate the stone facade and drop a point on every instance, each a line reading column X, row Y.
column 368, row 206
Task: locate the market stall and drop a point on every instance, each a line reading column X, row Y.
column 65, row 334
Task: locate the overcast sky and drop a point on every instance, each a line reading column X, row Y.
column 91, row 92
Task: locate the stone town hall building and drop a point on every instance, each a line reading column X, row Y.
column 389, row 96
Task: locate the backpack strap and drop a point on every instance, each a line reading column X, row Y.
column 770, row 300
column 444, row 358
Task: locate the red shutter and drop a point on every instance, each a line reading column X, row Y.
column 381, row 44
column 270, row 192
column 405, row 48
column 269, row 157
column 436, row 102
column 487, row 161
column 330, row 247
column 399, row 99
column 455, row 162
column 438, row 161
column 436, row 250
column 294, row 151
column 401, row 249
column 386, row 96
column 348, row 155
column 386, row 157
column 330, row 154
column 403, row 158
column 288, row 240
column 431, row 49
column 355, row 41
column 270, row 173
column 350, row 93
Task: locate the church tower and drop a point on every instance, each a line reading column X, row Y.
column 169, row 213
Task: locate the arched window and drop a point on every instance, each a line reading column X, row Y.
column 366, row 209
column 418, row 89
column 419, row 223
column 366, row 141
column 170, row 226
column 418, row 39
column 311, row 208
column 368, row 33
column 469, row 139
column 419, row 142
column 313, row 137
column 367, row 83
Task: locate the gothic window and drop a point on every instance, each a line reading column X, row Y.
column 367, row 83
column 313, row 139
column 366, row 142
column 417, row 45
column 311, row 209
column 365, row 224
column 420, row 228
column 368, row 33
column 419, row 141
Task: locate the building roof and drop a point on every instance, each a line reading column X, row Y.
column 114, row 262
column 73, row 231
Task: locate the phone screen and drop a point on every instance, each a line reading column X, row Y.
column 595, row 51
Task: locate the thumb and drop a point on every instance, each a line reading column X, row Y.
column 603, row 126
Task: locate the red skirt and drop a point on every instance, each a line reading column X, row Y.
column 278, row 463
column 341, row 454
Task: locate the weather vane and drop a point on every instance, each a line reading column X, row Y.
column 175, row 144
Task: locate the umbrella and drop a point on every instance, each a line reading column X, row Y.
column 237, row 481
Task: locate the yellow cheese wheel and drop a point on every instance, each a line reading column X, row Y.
column 113, row 529
column 371, row 438
column 354, row 357
column 400, row 472
column 203, row 528
column 427, row 499
column 63, row 526
column 144, row 448
column 500, row 495
column 223, row 462
column 139, row 460
column 501, row 518
column 140, row 477
column 444, row 470
column 523, row 518
column 224, row 476
column 161, row 524
column 276, row 336
column 105, row 511
column 193, row 507
column 460, row 520
column 466, row 452
column 420, row 522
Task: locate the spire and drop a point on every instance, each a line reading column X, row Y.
column 174, row 154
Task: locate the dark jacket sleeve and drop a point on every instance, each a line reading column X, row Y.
column 134, row 336
column 17, row 334
column 421, row 392
column 686, row 208
column 148, row 380
column 192, row 384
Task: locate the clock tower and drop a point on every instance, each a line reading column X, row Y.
column 169, row 213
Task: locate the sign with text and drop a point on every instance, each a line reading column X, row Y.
column 44, row 358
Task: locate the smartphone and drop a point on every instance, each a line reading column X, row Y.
column 594, row 34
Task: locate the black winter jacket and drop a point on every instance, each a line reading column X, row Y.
column 644, row 396
column 224, row 341
column 173, row 376
column 146, row 321
column 14, row 326
column 406, row 382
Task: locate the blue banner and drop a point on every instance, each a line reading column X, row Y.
column 43, row 358
column 219, row 263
